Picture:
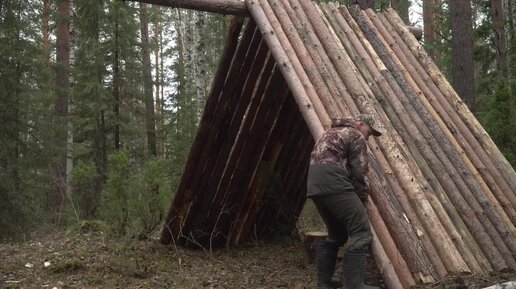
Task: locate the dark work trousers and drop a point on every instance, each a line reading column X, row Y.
column 346, row 220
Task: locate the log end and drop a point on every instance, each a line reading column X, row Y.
column 310, row 241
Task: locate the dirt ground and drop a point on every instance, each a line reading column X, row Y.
column 92, row 260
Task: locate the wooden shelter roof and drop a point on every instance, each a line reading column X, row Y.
column 442, row 195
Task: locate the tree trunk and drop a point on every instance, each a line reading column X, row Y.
column 150, row 119
column 116, row 85
column 498, row 20
column 365, row 4
column 402, row 7
column 226, row 7
column 147, row 83
column 509, row 16
column 61, row 104
column 161, row 137
column 431, row 25
column 157, row 82
column 200, row 61
column 45, row 29
column 462, row 51
column 190, row 109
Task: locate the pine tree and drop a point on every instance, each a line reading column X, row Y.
column 498, row 22
column 462, row 50
column 495, row 85
column 402, row 7
column 365, row 4
column 90, row 99
column 61, row 106
column 431, row 26
column 25, row 116
column 150, row 123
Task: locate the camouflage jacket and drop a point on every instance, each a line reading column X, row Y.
column 344, row 148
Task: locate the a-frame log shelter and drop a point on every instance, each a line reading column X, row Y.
column 442, row 194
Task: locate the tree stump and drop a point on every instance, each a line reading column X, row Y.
column 310, row 241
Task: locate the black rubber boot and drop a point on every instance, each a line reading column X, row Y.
column 353, row 276
column 325, row 259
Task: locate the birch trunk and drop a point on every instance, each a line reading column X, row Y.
column 200, row 60
column 69, row 131
column 190, row 68
column 432, row 26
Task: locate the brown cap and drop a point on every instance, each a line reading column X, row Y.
column 370, row 121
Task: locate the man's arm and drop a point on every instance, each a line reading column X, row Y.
column 359, row 166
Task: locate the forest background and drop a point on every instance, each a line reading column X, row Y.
column 100, row 100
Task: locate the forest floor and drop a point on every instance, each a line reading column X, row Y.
column 93, row 260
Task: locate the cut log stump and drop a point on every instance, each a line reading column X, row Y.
column 310, row 241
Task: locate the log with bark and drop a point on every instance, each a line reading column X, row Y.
column 322, row 112
column 401, row 168
column 393, row 268
column 452, row 148
column 296, row 86
column 348, row 99
column 453, row 164
column 480, row 135
column 471, row 186
column 229, row 7
column 475, row 153
column 403, row 77
column 371, row 73
column 484, row 160
column 303, row 56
